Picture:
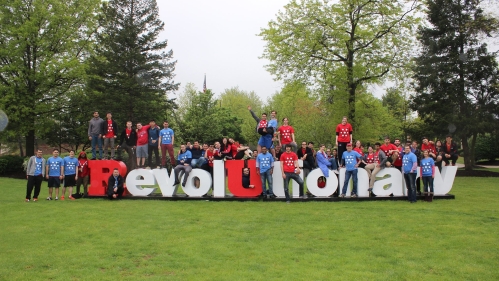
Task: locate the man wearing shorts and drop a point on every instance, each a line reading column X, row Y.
column 142, row 144
column 70, row 175
column 55, row 172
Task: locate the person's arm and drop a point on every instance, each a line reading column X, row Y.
column 47, row 171
column 297, row 167
column 433, row 170
column 414, row 164
column 28, row 167
column 271, row 165
column 254, row 115
column 90, row 130
column 62, row 171
column 282, row 170
column 293, row 137
column 173, row 138
column 279, row 138
column 115, row 129
column 133, row 138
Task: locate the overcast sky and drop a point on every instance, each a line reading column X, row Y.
column 219, row 38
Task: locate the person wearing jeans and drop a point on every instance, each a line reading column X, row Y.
column 350, row 161
column 183, row 165
column 109, row 130
column 427, row 173
column 409, row 166
column 265, row 168
column 35, row 171
column 290, row 170
column 95, row 134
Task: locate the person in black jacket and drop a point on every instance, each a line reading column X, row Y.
column 109, row 130
column 307, row 155
column 128, row 142
column 449, row 151
column 115, row 185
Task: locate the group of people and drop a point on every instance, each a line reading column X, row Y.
column 276, row 143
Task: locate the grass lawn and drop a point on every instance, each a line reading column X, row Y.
column 95, row 239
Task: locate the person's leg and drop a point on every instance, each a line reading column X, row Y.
column 430, row 195
column 194, row 163
column 297, row 178
column 418, row 185
column 156, row 154
column 348, row 174
column 106, row 145
column 150, row 149
column 63, row 192
column 355, row 179
column 119, row 192
column 85, row 185
column 70, row 190
column 79, row 181
column 163, row 155
column 171, row 154
column 99, row 142
column 176, row 172
column 38, row 185
column 270, row 182
column 445, row 160
column 112, row 148
column 408, row 186
column 29, row 186
column 94, row 144
column 454, row 159
column 430, row 184
column 425, row 185
column 263, row 177
column 286, row 186
column 413, row 186
column 187, row 170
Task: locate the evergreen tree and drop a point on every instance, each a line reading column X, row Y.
column 131, row 72
column 456, row 77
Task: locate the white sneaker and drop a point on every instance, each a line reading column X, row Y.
column 49, row 198
column 56, row 198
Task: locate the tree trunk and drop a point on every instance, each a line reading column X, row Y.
column 30, row 142
column 20, row 143
column 468, row 166
column 472, row 149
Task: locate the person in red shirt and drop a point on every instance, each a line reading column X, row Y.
column 430, row 147
column 142, row 144
column 128, row 142
column 343, row 135
column 388, row 148
column 290, row 171
column 109, row 130
column 398, row 161
column 83, row 173
column 321, row 182
column 286, row 135
column 360, row 150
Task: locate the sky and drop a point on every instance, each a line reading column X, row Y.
column 219, row 38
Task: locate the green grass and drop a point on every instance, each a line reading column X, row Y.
column 95, row 239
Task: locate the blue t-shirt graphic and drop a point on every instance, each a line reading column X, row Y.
column 427, row 165
column 166, row 136
column 38, row 166
column 70, row 166
column 351, row 159
column 55, row 165
column 264, row 162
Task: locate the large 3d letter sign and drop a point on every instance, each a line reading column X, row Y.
column 142, row 182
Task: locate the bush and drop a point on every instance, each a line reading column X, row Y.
column 487, row 147
column 11, row 164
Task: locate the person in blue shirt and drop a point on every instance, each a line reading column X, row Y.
column 323, row 161
column 409, row 166
column 35, row 170
column 427, row 172
column 54, row 172
column 349, row 160
column 154, row 144
column 265, row 168
column 166, row 141
column 183, row 165
column 70, row 174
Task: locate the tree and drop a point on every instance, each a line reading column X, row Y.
column 237, row 101
column 131, row 73
column 339, row 46
column 456, row 77
column 206, row 121
column 43, row 45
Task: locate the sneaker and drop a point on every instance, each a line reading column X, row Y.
column 287, row 202
column 62, row 198
column 57, row 198
column 49, row 198
column 304, row 197
column 272, row 195
column 71, row 197
column 353, row 196
column 26, row 200
column 342, row 196
column 35, row 199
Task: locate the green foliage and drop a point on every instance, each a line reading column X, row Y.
column 206, row 121
column 487, row 147
column 11, row 164
column 237, row 102
column 342, row 44
column 131, row 72
column 456, row 77
column 43, row 45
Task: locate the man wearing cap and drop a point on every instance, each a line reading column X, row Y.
column 349, row 160
column 449, row 151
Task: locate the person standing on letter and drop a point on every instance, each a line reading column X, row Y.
column 343, row 135
column 95, row 134
column 109, row 133
column 350, row 161
column 290, row 170
column 166, row 140
column 409, row 166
